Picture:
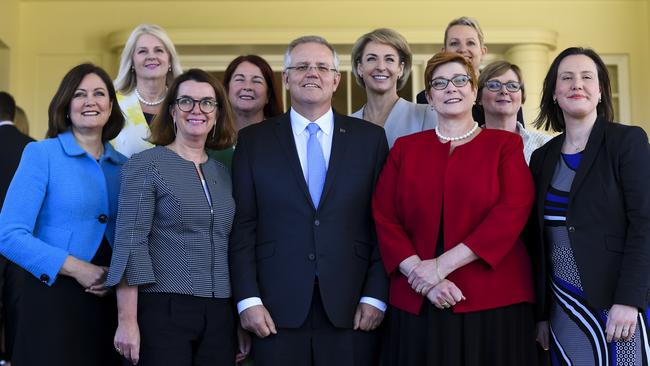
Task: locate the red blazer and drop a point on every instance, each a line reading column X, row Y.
column 487, row 191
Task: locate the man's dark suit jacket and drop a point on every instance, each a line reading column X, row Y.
column 608, row 217
column 281, row 244
column 12, row 143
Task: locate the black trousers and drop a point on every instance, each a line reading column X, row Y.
column 184, row 330
column 317, row 342
column 12, row 287
column 62, row 325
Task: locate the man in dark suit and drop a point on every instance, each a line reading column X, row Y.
column 305, row 266
column 12, row 143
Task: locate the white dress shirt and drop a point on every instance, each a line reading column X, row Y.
column 300, row 137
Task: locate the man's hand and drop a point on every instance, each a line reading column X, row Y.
column 367, row 317
column 257, row 319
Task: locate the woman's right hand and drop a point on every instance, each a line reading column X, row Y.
column 127, row 340
column 88, row 275
column 445, row 294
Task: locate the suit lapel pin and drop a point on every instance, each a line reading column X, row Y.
column 342, row 130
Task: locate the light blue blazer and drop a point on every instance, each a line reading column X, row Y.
column 61, row 202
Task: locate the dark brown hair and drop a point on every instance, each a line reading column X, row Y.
column 442, row 58
column 274, row 106
column 7, row 107
column 550, row 114
column 59, row 110
column 162, row 127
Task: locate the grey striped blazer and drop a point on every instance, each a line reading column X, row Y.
column 168, row 238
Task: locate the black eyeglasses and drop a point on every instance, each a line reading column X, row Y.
column 441, row 83
column 206, row 105
column 496, row 85
column 320, row 69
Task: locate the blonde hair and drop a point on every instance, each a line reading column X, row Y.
column 388, row 37
column 468, row 22
column 125, row 80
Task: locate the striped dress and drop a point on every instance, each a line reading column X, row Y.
column 577, row 333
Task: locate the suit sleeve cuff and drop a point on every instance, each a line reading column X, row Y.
column 247, row 303
column 370, row 301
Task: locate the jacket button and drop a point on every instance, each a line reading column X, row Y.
column 45, row 278
column 102, row 218
column 571, row 229
column 317, row 222
column 311, row 256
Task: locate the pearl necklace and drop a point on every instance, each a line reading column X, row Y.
column 143, row 101
column 462, row 137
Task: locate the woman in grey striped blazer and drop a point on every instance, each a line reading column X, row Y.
column 170, row 262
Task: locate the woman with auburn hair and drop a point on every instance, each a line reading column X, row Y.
column 252, row 90
column 501, row 92
column 254, row 96
column 176, row 209
column 461, row 287
column 148, row 65
column 381, row 63
column 592, row 220
column 58, row 221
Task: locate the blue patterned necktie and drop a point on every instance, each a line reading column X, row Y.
column 316, row 168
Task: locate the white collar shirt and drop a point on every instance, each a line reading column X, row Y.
column 301, row 136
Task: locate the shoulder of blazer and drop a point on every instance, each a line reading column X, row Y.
column 539, row 154
column 264, row 126
column 615, row 132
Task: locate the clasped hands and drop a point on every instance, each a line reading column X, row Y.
column 427, row 278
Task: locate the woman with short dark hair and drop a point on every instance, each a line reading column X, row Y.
column 501, row 92
column 58, row 222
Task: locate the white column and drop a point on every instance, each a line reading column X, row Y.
column 533, row 59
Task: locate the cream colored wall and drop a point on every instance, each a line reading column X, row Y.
column 9, row 18
column 54, row 35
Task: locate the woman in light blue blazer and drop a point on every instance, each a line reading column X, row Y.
column 58, row 222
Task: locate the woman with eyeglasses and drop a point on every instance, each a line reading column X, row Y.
column 148, row 65
column 592, row 220
column 501, row 93
column 461, row 283
column 176, row 209
column 381, row 63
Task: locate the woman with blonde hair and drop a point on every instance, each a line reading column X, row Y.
column 148, row 65
column 381, row 63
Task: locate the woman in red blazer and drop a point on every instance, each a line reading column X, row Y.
column 460, row 279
